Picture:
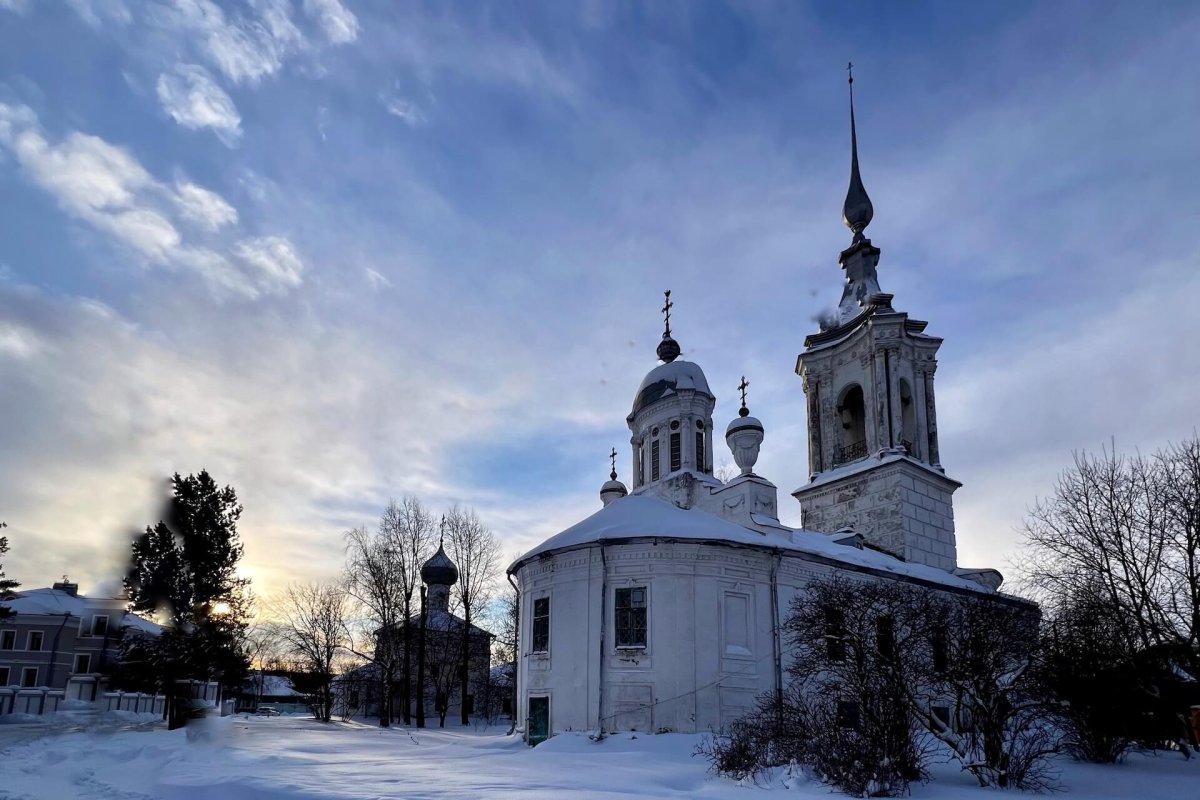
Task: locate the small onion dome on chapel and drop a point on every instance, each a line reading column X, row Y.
column 672, row 375
column 612, row 489
column 439, row 570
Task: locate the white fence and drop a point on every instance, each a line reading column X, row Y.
column 85, row 694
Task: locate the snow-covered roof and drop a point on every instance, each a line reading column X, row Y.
column 646, row 516
column 666, row 379
column 55, row 602
column 273, row 685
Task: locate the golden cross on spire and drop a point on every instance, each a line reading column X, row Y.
column 666, row 309
column 613, row 458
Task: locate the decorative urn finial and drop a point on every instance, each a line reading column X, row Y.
column 744, row 435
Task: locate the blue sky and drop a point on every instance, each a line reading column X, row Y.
column 340, row 251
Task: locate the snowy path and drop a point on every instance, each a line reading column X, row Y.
column 298, row 759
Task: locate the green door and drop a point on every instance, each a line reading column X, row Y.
column 539, row 720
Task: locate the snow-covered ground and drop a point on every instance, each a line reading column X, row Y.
column 293, row 758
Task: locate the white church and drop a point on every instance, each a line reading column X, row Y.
column 662, row 610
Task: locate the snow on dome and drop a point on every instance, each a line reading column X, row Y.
column 439, row 570
column 740, row 423
column 647, row 517
column 666, row 379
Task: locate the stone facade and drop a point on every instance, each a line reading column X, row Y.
column 899, row 505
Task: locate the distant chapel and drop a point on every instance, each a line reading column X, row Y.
column 662, row 610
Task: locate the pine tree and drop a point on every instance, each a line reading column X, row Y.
column 184, row 570
column 6, row 585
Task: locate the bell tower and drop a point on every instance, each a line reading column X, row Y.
column 873, row 458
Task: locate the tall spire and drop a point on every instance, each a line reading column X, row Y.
column 668, row 349
column 857, row 210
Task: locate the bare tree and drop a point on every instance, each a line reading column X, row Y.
column 264, row 645
column 375, row 582
column 476, row 552
column 409, row 529
column 313, row 625
column 1117, row 545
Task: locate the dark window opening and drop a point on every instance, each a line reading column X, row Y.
column 885, row 637
column 541, row 625
column 631, row 617
column 83, row 663
column 3, row 677
column 676, row 453
column 848, row 715
column 700, row 465
column 938, row 654
column 8, row 640
column 654, row 460
column 835, row 634
column 35, row 641
column 852, row 411
column 29, row 678
column 100, row 626
column 942, row 715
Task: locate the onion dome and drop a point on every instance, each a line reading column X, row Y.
column 439, row 570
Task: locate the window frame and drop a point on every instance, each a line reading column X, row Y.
column 25, row 682
column 655, row 451
column 11, row 635
column 676, row 451
column 6, row 672
column 701, row 461
column 29, row 648
column 75, row 670
column 628, row 642
column 537, row 621
column 96, row 618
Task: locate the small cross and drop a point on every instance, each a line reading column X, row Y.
column 850, row 70
column 666, row 309
column 742, row 388
column 613, row 458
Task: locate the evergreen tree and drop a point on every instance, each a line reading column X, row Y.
column 184, row 570
column 6, row 585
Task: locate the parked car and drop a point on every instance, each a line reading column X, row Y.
column 267, row 711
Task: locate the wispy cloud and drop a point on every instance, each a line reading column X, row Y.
column 378, row 280
column 195, row 101
column 105, row 186
column 404, row 109
column 337, row 21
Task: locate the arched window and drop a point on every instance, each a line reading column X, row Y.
column 853, row 414
column 676, row 447
column 700, row 460
column 654, row 453
column 908, row 419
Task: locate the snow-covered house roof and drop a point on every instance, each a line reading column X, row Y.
column 57, row 602
column 649, row 517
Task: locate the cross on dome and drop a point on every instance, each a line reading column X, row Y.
column 668, row 349
column 743, row 411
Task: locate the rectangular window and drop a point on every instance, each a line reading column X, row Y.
column 676, row 453
column 541, row 625
column 654, row 460
column 937, row 648
column 34, row 643
column 3, row 676
column 8, row 640
column 100, row 625
column 631, row 617
column 942, row 715
column 700, row 451
column 848, row 715
column 835, row 633
column 83, row 663
column 29, row 677
column 885, row 637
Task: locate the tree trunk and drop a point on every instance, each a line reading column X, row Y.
column 406, row 686
column 463, row 684
column 421, row 666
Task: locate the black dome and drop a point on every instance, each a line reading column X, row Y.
column 439, row 570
